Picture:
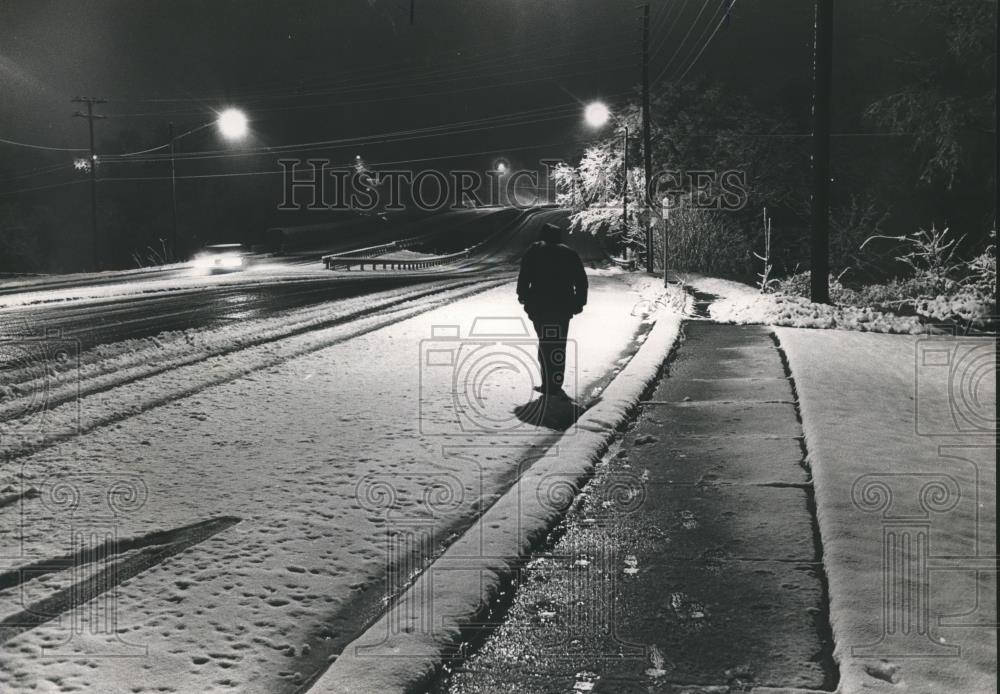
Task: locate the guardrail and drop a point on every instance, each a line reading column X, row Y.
column 626, row 263
column 348, row 262
column 332, row 259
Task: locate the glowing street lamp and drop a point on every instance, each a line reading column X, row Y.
column 597, row 115
column 232, row 124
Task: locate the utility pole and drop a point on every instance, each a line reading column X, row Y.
column 413, row 11
column 625, row 185
column 90, row 116
column 173, row 194
column 820, row 246
column 647, row 153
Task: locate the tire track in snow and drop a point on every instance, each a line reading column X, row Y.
column 103, row 381
column 124, row 400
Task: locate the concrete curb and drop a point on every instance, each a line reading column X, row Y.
column 403, row 650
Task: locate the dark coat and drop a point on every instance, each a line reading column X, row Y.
column 552, row 282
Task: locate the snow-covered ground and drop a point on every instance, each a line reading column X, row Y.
column 901, row 434
column 306, row 449
column 108, row 365
column 741, row 303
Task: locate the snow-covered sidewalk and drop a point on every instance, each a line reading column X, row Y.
column 901, row 434
column 323, row 459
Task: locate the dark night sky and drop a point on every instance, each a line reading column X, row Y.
column 308, row 70
column 315, row 70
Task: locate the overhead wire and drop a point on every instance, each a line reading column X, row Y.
column 42, row 147
column 544, row 114
column 728, row 4
column 399, row 76
column 391, row 97
column 661, row 43
column 680, row 46
column 272, row 172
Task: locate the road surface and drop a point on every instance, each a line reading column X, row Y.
column 210, row 507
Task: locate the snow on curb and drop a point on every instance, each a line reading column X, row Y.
column 402, row 651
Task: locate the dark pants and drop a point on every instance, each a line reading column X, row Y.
column 552, row 331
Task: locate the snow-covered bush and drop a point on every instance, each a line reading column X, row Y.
column 798, row 312
column 971, row 297
column 799, row 285
column 941, row 287
column 593, row 191
column 706, row 241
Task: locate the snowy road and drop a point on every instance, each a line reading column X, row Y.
column 298, row 461
column 108, row 313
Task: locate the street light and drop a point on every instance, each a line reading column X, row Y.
column 232, row 125
column 597, row 115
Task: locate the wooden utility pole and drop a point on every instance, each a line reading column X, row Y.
column 90, row 116
column 625, row 188
column 174, row 238
column 647, row 153
column 820, row 246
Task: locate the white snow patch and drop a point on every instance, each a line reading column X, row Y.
column 320, row 455
column 901, row 431
column 741, row 303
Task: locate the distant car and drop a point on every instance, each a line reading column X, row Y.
column 221, row 257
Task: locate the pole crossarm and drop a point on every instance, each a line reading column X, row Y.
column 91, row 117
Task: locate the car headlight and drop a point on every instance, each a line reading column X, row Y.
column 231, row 261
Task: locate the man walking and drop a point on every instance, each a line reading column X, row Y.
column 552, row 286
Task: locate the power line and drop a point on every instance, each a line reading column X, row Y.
column 662, row 42
column 606, row 67
column 273, row 172
column 36, row 172
column 704, row 45
column 46, row 187
column 547, row 113
column 680, row 46
column 292, row 149
column 399, row 75
column 42, row 147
